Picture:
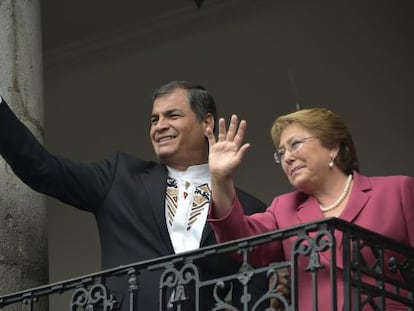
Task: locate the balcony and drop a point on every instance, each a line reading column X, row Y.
column 376, row 270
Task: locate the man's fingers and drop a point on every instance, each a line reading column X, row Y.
column 242, row 151
column 233, row 127
column 234, row 134
column 283, row 284
column 239, row 138
column 285, row 290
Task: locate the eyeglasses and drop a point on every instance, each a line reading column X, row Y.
column 293, row 147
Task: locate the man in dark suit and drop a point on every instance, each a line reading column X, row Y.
column 143, row 209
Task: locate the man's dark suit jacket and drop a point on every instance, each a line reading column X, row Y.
column 126, row 195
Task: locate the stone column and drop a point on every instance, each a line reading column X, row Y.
column 23, row 226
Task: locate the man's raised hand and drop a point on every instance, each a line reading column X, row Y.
column 227, row 152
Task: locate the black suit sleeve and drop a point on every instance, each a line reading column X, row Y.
column 81, row 185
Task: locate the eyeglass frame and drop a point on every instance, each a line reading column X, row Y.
column 291, row 148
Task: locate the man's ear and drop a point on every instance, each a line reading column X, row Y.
column 209, row 121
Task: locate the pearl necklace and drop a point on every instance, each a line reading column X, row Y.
column 341, row 198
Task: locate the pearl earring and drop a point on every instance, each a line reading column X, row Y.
column 331, row 163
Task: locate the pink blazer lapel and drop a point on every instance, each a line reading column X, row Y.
column 309, row 211
column 359, row 197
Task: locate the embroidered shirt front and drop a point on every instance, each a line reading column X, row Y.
column 186, row 205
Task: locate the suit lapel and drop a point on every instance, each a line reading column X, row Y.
column 207, row 232
column 155, row 181
column 359, row 197
column 309, row 211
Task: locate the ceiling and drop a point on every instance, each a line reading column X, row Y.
column 67, row 22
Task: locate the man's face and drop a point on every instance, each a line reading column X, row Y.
column 177, row 136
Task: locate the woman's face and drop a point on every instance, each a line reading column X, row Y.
column 303, row 159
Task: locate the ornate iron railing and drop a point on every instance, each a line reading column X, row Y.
column 375, row 270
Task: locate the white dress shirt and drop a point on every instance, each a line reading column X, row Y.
column 186, row 206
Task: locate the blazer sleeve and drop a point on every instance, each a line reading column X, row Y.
column 74, row 183
column 259, row 283
column 407, row 198
column 250, row 203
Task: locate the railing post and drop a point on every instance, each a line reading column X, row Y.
column 30, row 303
column 133, row 289
column 346, row 257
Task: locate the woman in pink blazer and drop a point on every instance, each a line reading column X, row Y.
column 317, row 154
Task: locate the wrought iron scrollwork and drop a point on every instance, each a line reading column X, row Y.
column 90, row 299
column 406, row 268
column 220, row 303
column 246, row 273
column 311, row 247
column 377, row 273
column 173, row 281
column 274, row 298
